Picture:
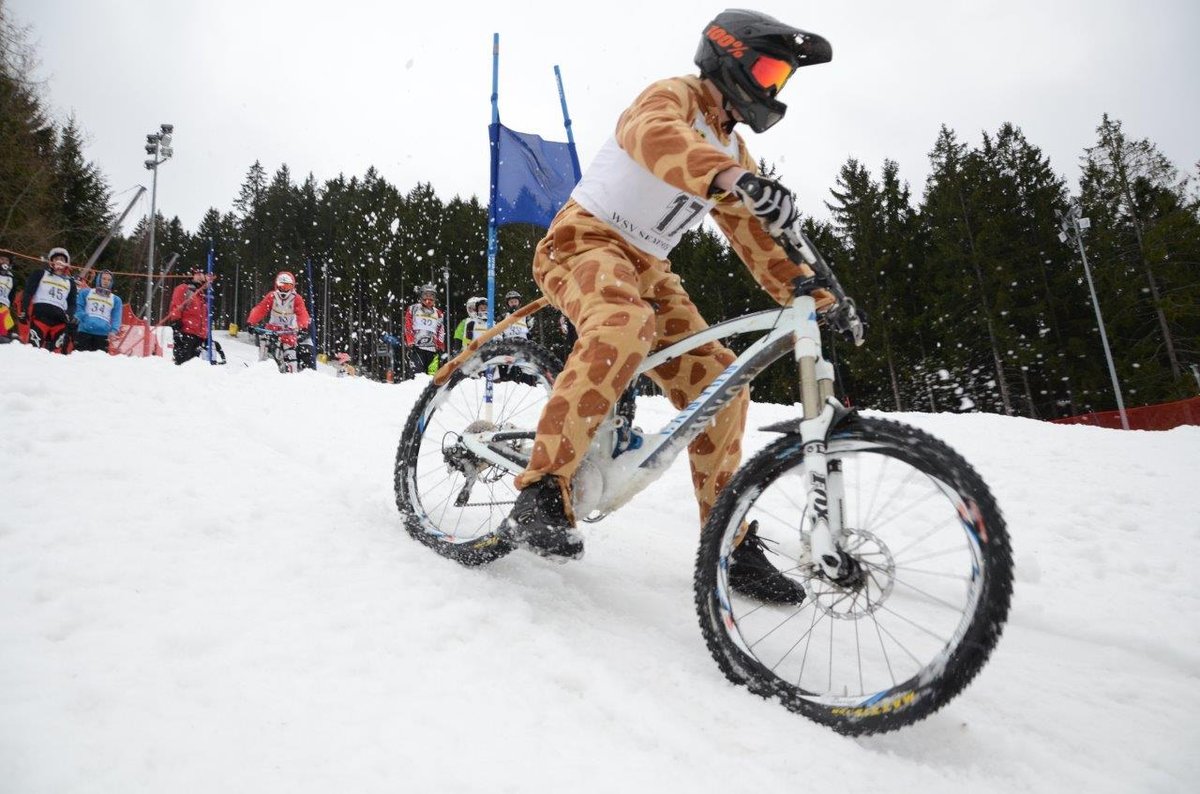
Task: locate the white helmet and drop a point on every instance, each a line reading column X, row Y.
column 58, row 252
column 473, row 309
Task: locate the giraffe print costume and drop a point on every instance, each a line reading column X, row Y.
column 603, row 264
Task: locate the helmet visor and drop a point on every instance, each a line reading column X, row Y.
column 771, row 72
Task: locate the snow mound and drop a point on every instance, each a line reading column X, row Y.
column 204, row 586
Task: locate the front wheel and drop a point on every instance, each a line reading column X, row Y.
column 917, row 614
column 451, row 499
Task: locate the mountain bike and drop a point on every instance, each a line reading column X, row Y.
column 899, row 546
column 289, row 348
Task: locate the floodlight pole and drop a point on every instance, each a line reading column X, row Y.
column 158, row 146
column 1073, row 224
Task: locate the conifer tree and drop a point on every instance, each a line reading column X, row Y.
column 1144, row 234
column 28, row 211
column 82, row 194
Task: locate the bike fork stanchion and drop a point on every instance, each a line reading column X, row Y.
column 824, row 528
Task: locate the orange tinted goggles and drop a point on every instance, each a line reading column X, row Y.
column 771, row 72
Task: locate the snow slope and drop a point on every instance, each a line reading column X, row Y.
column 204, row 586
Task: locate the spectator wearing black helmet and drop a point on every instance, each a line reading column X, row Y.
column 521, row 328
column 425, row 331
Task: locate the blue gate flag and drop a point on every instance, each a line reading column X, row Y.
column 533, row 177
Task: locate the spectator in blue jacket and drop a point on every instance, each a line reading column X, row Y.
column 99, row 311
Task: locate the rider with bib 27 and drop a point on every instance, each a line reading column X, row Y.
column 673, row 159
column 284, row 310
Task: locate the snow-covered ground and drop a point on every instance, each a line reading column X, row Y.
column 205, row 587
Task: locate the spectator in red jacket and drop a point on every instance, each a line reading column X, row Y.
column 189, row 316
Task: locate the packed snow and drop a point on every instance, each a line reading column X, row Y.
column 205, row 586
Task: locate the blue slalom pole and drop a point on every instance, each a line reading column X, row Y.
column 493, row 242
column 494, row 136
column 312, row 313
column 562, row 98
column 208, row 301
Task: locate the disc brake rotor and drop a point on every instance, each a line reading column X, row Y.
column 863, row 592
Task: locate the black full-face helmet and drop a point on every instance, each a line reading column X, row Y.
column 750, row 56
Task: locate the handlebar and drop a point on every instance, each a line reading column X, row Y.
column 255, row 329
column 844, row 316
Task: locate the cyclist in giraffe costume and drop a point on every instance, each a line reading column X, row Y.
column 672, row 160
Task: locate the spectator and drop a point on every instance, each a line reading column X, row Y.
column 8, row 285
column 188, row 316
column 99, row 312
column 521, row 328
column 474, row 324
column 425, row 331
column 50, row 303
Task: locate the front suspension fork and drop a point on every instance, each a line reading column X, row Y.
column 822, row 477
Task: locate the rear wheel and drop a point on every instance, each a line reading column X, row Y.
column 923, row 601
column 452, row 500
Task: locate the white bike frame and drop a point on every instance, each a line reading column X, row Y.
column 609, row 477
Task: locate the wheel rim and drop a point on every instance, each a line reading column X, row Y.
column 440, row 466
column 869, row 645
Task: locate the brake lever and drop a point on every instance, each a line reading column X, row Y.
column 844, row 316
column 846, row 319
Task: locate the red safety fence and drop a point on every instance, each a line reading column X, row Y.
column 135, row 338
column 1163, row 416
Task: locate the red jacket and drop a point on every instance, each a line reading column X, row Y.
column 188, row 304
column 263, row 310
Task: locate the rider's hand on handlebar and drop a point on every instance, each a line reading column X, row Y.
column 848, row 320
column 771, row 202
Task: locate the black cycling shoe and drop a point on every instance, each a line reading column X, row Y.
column 538, row 522
column 753, row 575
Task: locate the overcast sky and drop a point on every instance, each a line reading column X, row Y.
column 335, row 87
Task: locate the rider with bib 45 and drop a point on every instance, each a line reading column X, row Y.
column 673, row 159
column 50, row 303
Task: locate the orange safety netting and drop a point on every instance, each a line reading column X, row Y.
column 136, row 337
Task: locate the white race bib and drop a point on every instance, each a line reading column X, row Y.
column 53, row 290
column 98, row 305
column 6, row 284
column 283, row 311
column 649, row 213
column 425, row 323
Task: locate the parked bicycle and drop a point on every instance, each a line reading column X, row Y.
column 899, row 546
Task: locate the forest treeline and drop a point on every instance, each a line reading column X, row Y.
column 974, row 302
